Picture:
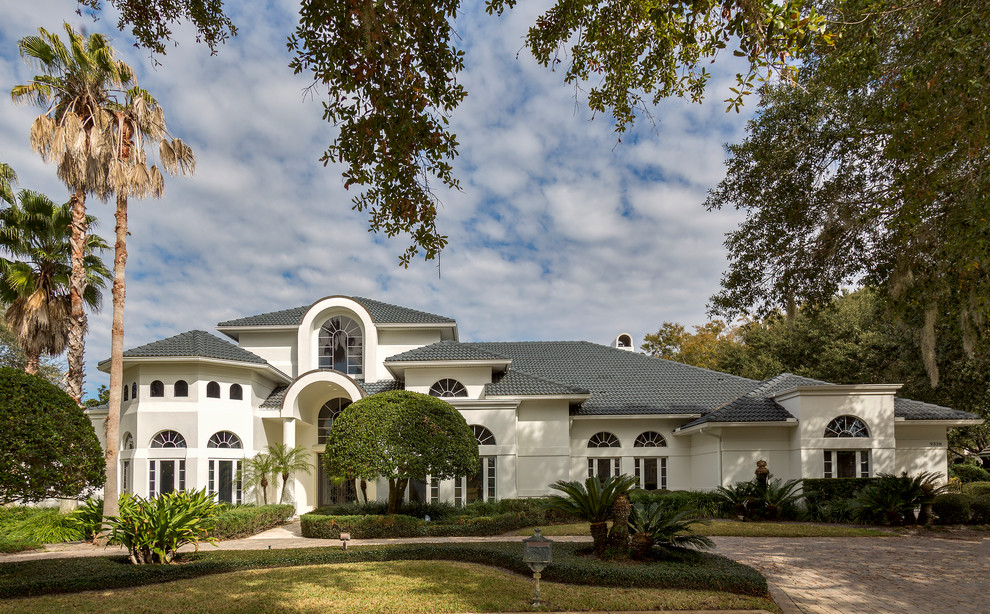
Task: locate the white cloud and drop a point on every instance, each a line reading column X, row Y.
column 559, row 233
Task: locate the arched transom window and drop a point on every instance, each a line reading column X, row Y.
column 341, row 344
column 224, row 439
column 603, row 439
column 650, row 439
column 484, row 436
column 847, row 426
column 328, row 413
column 448, row 388
column 168, row 439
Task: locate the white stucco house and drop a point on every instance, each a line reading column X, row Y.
column 196, row 406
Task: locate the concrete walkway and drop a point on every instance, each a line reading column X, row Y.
column 904, row 575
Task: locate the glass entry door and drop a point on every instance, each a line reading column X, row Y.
column 332, row 491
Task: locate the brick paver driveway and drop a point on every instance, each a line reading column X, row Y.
column 867, row 574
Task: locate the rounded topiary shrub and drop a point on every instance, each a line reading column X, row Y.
column 48, row 448
column 969, row 473
column 980, row 510
column 976, row 489
column 952, row 508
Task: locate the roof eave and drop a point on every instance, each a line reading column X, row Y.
column 790, row 422
column 945, row 422
column 635, row 416
column 256, row 366
column 548, row 397
column 398, row 367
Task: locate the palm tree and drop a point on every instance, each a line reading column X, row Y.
column 287, row 461
column 138, row 123
column 8, row 178
column 592, row 501
column 257, row 471
column 34, row 284
column 74, row 131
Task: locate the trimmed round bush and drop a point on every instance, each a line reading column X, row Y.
column 976, row 489
column 969, row 473
column 980, row 510
column 48, row 448
column 952, row 508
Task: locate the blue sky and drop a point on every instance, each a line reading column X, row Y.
column 559, row 232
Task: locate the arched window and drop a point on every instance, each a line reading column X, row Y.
column 483, row 435
column 134, row 390
column 224, row 439
column 448, row 388
column 125, row 392
column 128, row 442
column 181, row 388
column 847, row 426
column 650, row 439
column 157, row 388
column 341, row 345
column 624, row 341
column 213, row 390
column 236, row 392
column 328, row 413
column 168, row 439
column 603, row 440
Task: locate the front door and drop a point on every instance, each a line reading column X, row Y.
column 332, row 491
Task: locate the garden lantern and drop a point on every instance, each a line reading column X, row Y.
column 537, row 553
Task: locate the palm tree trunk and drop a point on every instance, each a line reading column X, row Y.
column 110, row 494
column 77, row 286
column 264, row 489
column 282, row 498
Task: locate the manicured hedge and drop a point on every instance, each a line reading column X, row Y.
column 244, row 520
column 979, row 509
column 976, row 489
column 824, row 490
column 969, row 473
column 952, row 508
column 685, row 570
column 398, row 525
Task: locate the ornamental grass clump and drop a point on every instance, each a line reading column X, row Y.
column 153, row 530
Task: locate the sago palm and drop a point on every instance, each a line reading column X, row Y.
column 592, row 501
column 74, row 131
column 34, row 275
column 657, row 524
column 287, row 461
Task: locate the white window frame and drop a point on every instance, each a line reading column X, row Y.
column 154, row 467
column 593, row 466
column 864, row 463
column 214, row 468
column 489, row 482
column 639, row 466
column 125, row 476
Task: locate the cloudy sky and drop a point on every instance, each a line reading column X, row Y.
column 560, row 232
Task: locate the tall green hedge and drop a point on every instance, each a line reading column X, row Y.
column 397, row 525
column 48, row 448
column 244, row 520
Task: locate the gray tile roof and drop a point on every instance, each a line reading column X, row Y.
column 445, row 350
column 381, row 386
column 381, row 313
column 516, row 383
column 917, row 410
column 757, row 405
column 275, row 398
column 194, row 343
column 620, row 381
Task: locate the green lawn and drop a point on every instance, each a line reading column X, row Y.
column 395, row 586
column 734, row 528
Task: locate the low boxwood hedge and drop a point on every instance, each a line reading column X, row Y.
column 684, row 570
column 976, row 489
column 979, row 509
column 952, row 508
column 398, row 525
column 244, row 520
column 706, row 504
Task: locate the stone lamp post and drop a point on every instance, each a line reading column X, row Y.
column 537, row 553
